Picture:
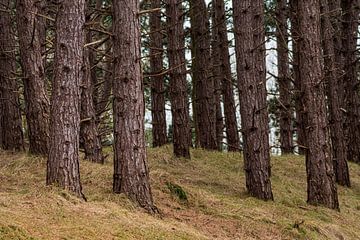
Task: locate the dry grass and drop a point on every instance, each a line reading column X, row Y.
column 217, row 206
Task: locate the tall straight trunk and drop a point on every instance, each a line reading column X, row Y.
column 177, row 78
column 222, row 49
column 251, row 75
column 89, row 133
column 63, row 160
column 204, row 105
column 10, row 115
column 331, row 13
column 216, row 78
column 350, row 24
column 131, row 174
column 286, row 134
column 320, row 175
column 37, row 106
column 298, row 95
column 157, row 79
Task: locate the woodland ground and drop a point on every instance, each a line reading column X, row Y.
column 217, row 206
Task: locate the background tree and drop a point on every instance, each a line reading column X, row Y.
column 203, row 86
column 131, row 175
column 330, row 20
column 177, row 75
column 251, row 75
column 320, row 175
column 37, row 106
column 156, row 78
column 285, row 123
column 10, row 115
column 63, row 160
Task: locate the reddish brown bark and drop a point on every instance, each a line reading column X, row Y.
column 131, row 174
column 321, row 185
column 251, row 74
column 177, row 77
column 11, row 134
column 63, row 160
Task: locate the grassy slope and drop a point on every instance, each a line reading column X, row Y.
column 217, row 208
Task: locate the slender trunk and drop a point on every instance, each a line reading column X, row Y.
column 251, row 74
column 63, row 161
column 217, row 77
column 10, row 115
column 204, row 105
column 286, row 134
column 298, row 95
column 178, row 85
column 320, row 175
column 157, row 80
column 332, row 59
column 131, row 174
column 37, row 105
column 350, row 24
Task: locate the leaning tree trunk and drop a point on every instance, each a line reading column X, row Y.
column 177, row 78
column 286, row 134
column 350, row 24
column 89, row 134
column 37, row 106
column 203, row 85
column 335, row 88
column 320, row 175
column 222, row 48
column 10, row 115
column 298, row 94
column 251, row 74
column 131, row 174
column 157, row 79
column 63, row 161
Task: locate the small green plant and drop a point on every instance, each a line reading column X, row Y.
column 177, row 191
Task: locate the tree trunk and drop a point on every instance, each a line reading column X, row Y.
column 131, row 174
column 205, row 109
column 37, row 105
column 177, row 78
column 216, row 77
column 251, row 74
column 89, row 135
column 286, row 134
column 222, row 49
column 319, row 168
column 10, row 115
column 350, row 24
column 63, row 161
column 298, row 95
column 332, row 58
column 157, row 79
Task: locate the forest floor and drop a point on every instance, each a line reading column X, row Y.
column 217, row 205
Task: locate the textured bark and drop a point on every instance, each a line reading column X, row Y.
column 177, row 78
column 157, row 79
column 251, row 74
column 10, row 116
column 299, row 106
column 320, row 174
column 331, row 12
column 217, row 77
column 37, row 106
column 204, row 106
column 63, row 161
column 350, row 24
column 89, row 135
column 286, row 133
column 131, row 174
column 222, row 49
